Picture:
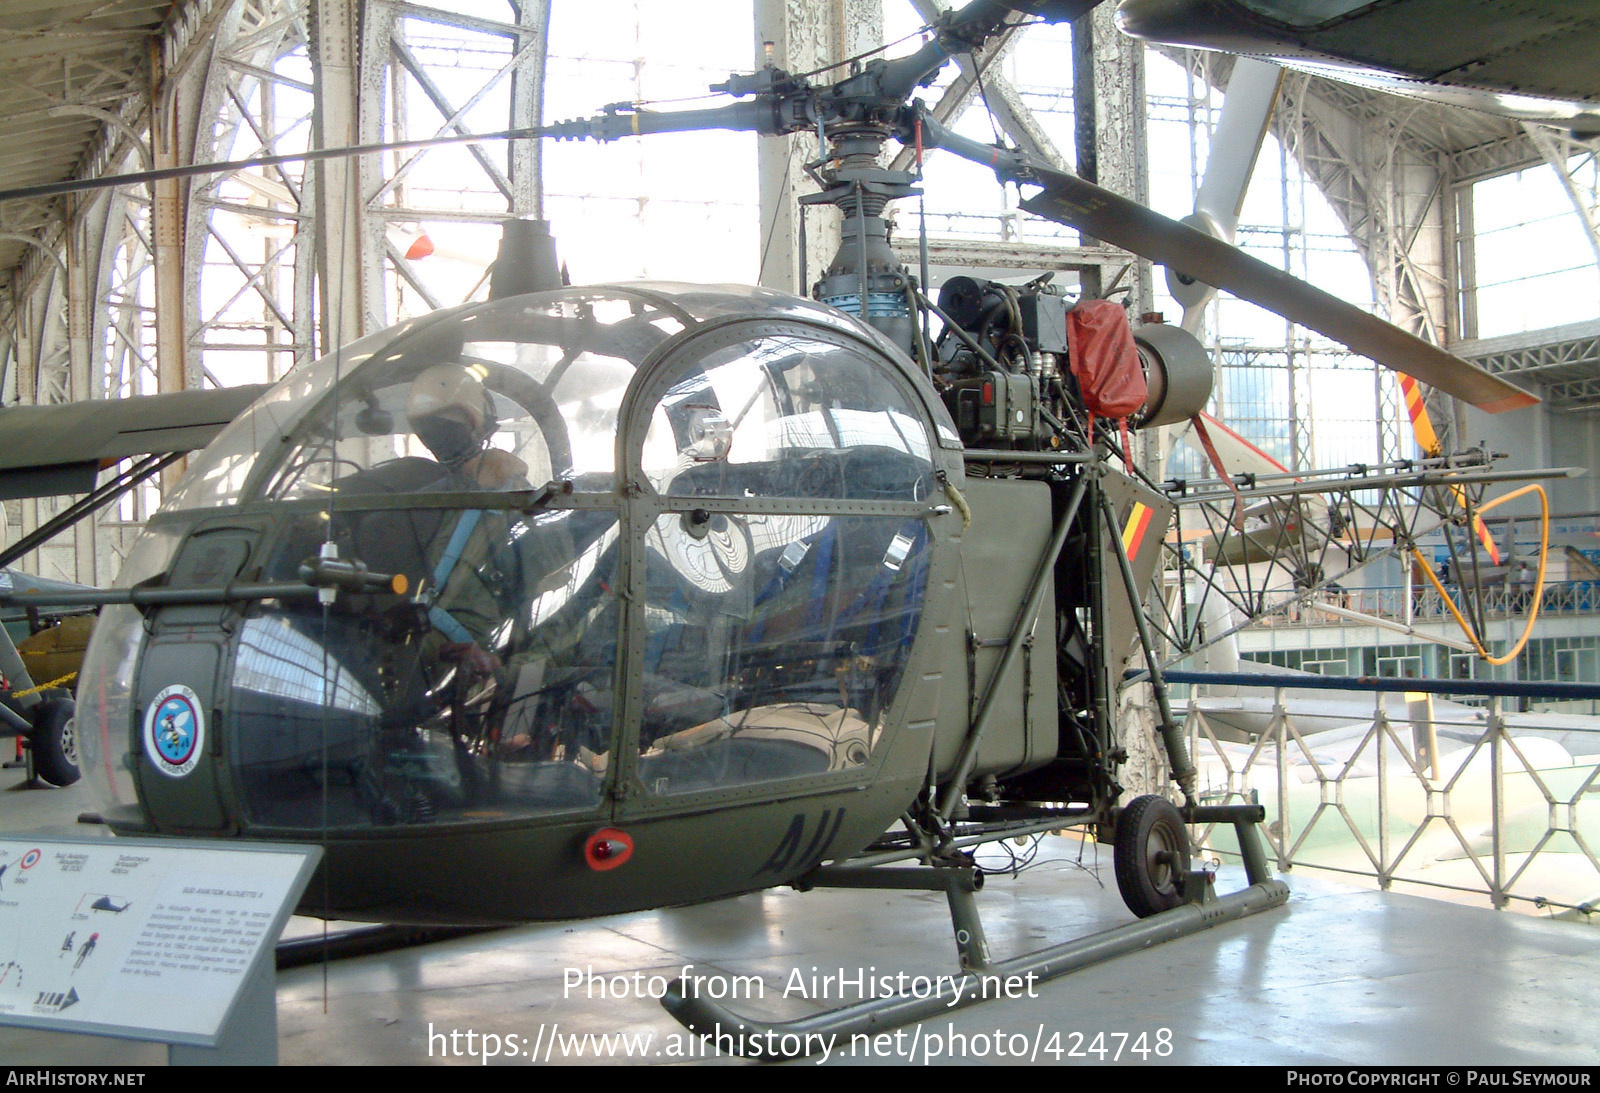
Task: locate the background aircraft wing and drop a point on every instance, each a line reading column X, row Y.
column 48, row 451
column 1533, row 61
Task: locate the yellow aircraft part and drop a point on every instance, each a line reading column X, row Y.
column 1421, row 424
column 1538, row 589
column 1428, row 441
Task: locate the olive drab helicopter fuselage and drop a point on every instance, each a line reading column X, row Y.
column 736, row 607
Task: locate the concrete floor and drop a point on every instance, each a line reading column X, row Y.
column 1339, row 976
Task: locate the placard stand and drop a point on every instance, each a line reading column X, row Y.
column 163, row 940
column 250, row 1038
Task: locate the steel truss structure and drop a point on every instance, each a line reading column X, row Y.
column 1265, row 546
column 1564, row 361
column 237, row 278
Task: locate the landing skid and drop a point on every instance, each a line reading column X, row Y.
column 981, row 978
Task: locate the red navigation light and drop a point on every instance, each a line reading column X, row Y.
column 607, row 849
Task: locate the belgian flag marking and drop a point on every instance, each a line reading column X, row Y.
column 1133, row 532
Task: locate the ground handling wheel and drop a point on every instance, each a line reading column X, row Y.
column 53, row 740
column 1151, row 855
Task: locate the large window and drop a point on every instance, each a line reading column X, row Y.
column 1534, row 261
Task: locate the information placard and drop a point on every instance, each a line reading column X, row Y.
column 147, row 939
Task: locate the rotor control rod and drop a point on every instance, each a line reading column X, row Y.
column 351, row 576
column 161, row 597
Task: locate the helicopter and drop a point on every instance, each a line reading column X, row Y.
column 603, row 598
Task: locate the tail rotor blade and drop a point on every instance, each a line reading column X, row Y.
column 1428, row 440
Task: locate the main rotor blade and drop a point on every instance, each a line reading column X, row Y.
column 1068, row 199
column 612, row 125
column 224, row 167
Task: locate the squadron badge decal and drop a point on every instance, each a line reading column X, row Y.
column 174, row 731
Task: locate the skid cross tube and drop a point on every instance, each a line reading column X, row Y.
column 958, row 883
column 770, row 1039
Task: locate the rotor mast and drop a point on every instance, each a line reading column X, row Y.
column 852, row 118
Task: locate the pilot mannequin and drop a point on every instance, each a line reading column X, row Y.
column 475, row 563
column 468, row 573
column 453, row 415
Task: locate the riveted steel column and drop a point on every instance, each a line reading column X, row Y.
column 168, row 214
column 347, row 71
column 27, row 364
column 81, row 265
column 1109, row 111
column 805, row 34
column 527, row 111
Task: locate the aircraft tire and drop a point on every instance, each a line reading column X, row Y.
column 54, row 741
column 1151, row 855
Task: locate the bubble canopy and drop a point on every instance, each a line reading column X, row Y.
column 726, row 589
column 555, row 368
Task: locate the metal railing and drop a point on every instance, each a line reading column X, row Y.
column 1373, row 779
